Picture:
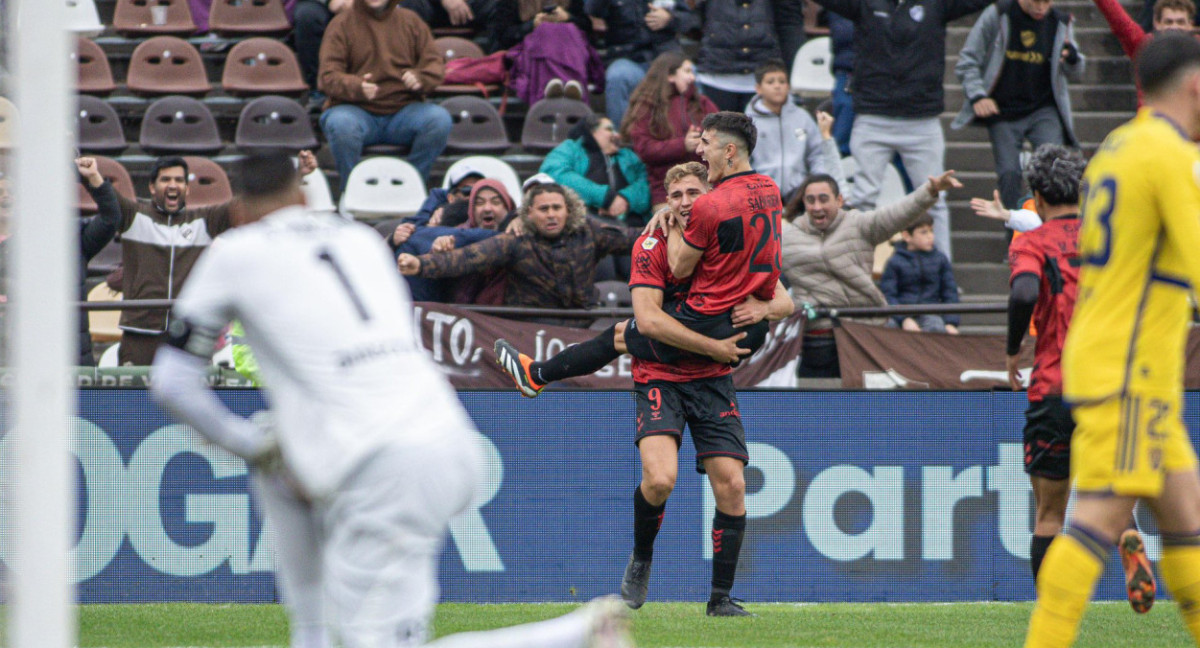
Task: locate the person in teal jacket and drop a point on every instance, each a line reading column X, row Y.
column 610, row 179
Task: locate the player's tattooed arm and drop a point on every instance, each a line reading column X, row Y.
column 653, row 321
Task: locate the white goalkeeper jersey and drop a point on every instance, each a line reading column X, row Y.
column 331, row 324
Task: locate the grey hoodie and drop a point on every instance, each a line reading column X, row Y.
column 790, row 146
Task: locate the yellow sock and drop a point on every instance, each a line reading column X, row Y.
column 1181, row 570
column 1065, row 583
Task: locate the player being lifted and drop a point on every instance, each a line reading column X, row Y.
column 660, row 428
column 1123, row 360
column 1045, row 277
column 370, row 453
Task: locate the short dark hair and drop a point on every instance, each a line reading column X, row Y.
column 265, row 173
column 924, row 221
column 818, row 178
column 1055, row 172
column 167, row 162
column 733, row 124
column 1163, row 60
column 769, row 66
column 1186, row 6
column 455, row 213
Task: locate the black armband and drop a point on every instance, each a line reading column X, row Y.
column 199, row 341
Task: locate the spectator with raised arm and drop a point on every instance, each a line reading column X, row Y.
column 828, row 253
column 663, row 121
column 898, row 92
column 551, row 266
column 1014, row 68
column 377, row 64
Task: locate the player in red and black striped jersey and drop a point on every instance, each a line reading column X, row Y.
column 1044, row 282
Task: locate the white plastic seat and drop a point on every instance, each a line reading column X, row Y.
column 83, row 18
column 492, row 168
column 812, row 71
column 383, row 187
column 108, row 359
column 316, row 192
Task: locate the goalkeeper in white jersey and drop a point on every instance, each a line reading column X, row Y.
column 367, row 453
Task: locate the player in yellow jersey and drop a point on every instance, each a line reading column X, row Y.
column 1123, row 360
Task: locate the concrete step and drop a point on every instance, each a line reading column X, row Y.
column 977, row 156
column 984, row 322
column 1084, row 98
column 979, row 246
column 982, row 278
column 962, row 219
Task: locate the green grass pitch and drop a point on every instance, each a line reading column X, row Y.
column 682, row 625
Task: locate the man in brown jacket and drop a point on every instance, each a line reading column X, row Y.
column 828, row 253
column 377, row 63
column 553, row 265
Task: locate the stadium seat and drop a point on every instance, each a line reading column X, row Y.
column 9, row 118
column 106, row 261
column 453, row 47
column 83, row 18
column 383, row 187
column 103, row 324
column 316, row 192
column 477, row 126
column 614, row 294
column 812, row 71
column 167, row 65
column 133, row 18
column 207, row 183
column 179, row 125
column 490, row 167
column 392, row 150
column 108, row 359
column 275, row 122
column 100, row 129
column 549, row 120
column 94, row 77
column 262, row 66
column 115, row 173
column 240, row 17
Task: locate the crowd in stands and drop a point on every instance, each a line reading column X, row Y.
column 377, row 77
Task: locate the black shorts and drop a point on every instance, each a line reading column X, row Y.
column 1047, row 438
column 717, row 327
column 707, row 406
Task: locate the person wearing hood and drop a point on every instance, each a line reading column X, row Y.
column 828, row 253
column 791, row 146
column 161, row 239
column 663, row 121
column 553, row 265
column 917, row 273
column 378, row 62
column 609, row 178
column 462, row 179
column 458, row 224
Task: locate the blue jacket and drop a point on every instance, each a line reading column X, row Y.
column 437, row 290
column 570, row 162
column 841, row 35
column 912, row 277
column 436, row 198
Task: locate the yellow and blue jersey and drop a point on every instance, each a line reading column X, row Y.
column 1140, row 254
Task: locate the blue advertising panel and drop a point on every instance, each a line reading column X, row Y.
column 851, row 496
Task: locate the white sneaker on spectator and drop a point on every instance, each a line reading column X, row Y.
column 573, row 90
column 554, row 89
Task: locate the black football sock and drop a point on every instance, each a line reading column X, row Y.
column 578, row 360
column 727, row 532
column 1037, row 551
column 647, row 518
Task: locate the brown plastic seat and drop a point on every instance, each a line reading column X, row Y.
column 94, row 74
column 167, row 65
column 207, row 183
column 275, row 122
column 100, row 130
column 115, row 173
column 453, row 47
column 262, row 66
column 233, row 17
column 133, row 18
column 478, row 126
column 179, row 125
column 549, row 121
